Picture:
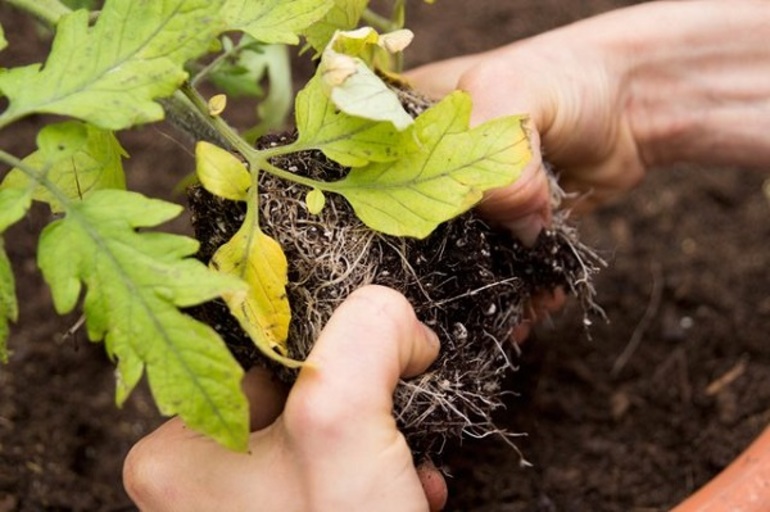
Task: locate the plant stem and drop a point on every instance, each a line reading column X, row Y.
column 302, row 180
column 256, row 158
column 47, row 11
column 181, row 113
column 203, row 73
column 216, row 123
column 378, row 21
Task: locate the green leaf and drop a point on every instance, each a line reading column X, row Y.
column 8, row 306
column 274, row 21
column 76, row 158
column 80, row 4
column 355, row 43
column 221, row 173
column 263, row 311
column 412, row 196
column 135, row 283
column 111, row 73
column 276, row 106
column 3, row 40
column 242, row 77
column 14, row 203
column 348, row 140
column 344, row 15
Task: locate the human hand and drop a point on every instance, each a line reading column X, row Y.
column 574, row 99
column 333, row 446
column 608, row 97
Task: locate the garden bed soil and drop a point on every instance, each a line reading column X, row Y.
column 687, row 286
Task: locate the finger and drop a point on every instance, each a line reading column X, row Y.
column 440, row 78
column 539, row 308
column 521, row 331
column 372, row 340
column 434, row 486
column 524, row 207
column 266, row 397
column 549, row 301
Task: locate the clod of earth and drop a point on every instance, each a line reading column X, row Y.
column 470, row 283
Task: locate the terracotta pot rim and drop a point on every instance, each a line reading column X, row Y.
column 744, row 486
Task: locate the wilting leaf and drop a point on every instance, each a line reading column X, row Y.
column 263, row 310
column 360, row 92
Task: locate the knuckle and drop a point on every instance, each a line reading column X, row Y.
column 479, row 77
column 308, row 416
column 146, row 477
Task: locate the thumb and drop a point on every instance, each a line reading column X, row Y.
column 438, row 79
column 370, row 342
column 339, row 413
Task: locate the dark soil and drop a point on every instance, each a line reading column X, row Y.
column 688, row 279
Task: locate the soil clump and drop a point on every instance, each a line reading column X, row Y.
column 470, row 283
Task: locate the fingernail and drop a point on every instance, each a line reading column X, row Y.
column 431, row 337
column 527, row 228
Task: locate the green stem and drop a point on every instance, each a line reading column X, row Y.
column 399, row 14
column 302, row 180
column 47, row 11
column 257, row 159
column 211, row 66
column 218, row 124
column 378, row 21
column 183, row 115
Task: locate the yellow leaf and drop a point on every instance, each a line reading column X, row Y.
column 217, row 104
column 315, row 201
column 221, row 173
column 263, row 310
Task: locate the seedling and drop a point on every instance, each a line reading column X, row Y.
column 403, row 173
